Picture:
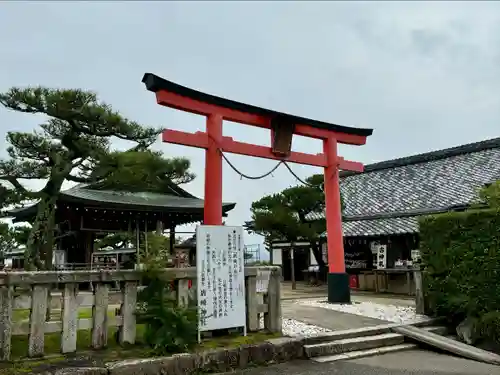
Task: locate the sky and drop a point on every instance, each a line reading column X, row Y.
column 423, row 75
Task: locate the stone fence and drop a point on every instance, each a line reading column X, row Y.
column 30, row 291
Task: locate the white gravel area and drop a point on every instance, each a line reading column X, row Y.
column 390, row 313
column 294, row 328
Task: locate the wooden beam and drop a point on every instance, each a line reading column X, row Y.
column 347, row 165
column 228, row 144
column 198, row 139
column 183, row 103
column 241, row 148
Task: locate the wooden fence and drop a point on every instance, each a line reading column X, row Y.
column 34, row 295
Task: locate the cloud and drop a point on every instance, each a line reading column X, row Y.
column 424, row 75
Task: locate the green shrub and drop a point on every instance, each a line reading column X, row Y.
column 168, row 328
column 461, row 260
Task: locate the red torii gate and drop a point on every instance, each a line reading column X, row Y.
column 282, row 127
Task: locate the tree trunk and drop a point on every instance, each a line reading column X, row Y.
column 39, row 249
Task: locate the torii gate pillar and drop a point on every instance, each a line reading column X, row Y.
column 282, row 127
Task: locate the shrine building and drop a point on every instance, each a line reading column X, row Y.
column 84, row 213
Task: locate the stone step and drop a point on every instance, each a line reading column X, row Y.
column 364, row 353
column 367, row 331
column 352, row 344
column 350, row 333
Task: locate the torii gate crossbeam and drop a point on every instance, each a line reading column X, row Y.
column 282, row 127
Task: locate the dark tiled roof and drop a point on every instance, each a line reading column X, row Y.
column 176, row 200
column 435, row 181
column 137, row 199
column 375, row 227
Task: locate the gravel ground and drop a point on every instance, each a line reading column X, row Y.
column 390, row 313
column 295, row 328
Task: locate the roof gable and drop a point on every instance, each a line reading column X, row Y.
column 422, row 183
column 430, row 185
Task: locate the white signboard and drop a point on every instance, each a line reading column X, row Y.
column 221, row 277
column 382, row 257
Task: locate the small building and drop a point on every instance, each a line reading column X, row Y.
column 383, row 205
column 85, row 212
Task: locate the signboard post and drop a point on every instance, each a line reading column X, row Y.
column 221, row 278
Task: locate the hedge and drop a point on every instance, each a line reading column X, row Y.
column 461, row 259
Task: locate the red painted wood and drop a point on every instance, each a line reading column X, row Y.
column 350, row 139
column 213, row 141
column 198, row 139
column 176, row 101
column 171, row 100
column 241, row 148
column 347, row 165
column 212, row 214
column 335, row 242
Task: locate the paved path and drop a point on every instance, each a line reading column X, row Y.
column 414, row 362
column 308, row 291
column 330, row 319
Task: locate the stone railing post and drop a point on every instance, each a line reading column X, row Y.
column 128, row 330
column 252, row 303
column 69, row 318
column 419, row 291
column 272, row 319
column 38, row 314
column 6, row 301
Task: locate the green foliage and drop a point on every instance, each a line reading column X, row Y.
column 144, row 170
column 119, row 240
column 283, row 215
column 12, row 237
column 168, row 328
column 461, row 257
column 157, row 251
column 74, row 144
column 7, row 240
column 490, row 195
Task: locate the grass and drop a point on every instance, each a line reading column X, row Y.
column 87, row 358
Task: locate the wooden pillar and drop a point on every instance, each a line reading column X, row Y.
column 172, row 239
column 292, row 267
column 159, row 227
column 88, row 245
column 213, row 172
column 137, row 243
column 338, row 279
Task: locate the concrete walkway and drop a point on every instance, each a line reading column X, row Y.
column 330, row 319
column 416, row 362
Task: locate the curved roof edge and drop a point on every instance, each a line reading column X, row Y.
column 154, row 83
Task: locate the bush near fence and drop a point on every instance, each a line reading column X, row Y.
column 461, row 262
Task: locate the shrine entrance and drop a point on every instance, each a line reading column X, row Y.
column 282, row 127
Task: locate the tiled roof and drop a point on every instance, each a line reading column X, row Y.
column 175, row 200
column 137, row 199
column 425, row 183
column 377, row 227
